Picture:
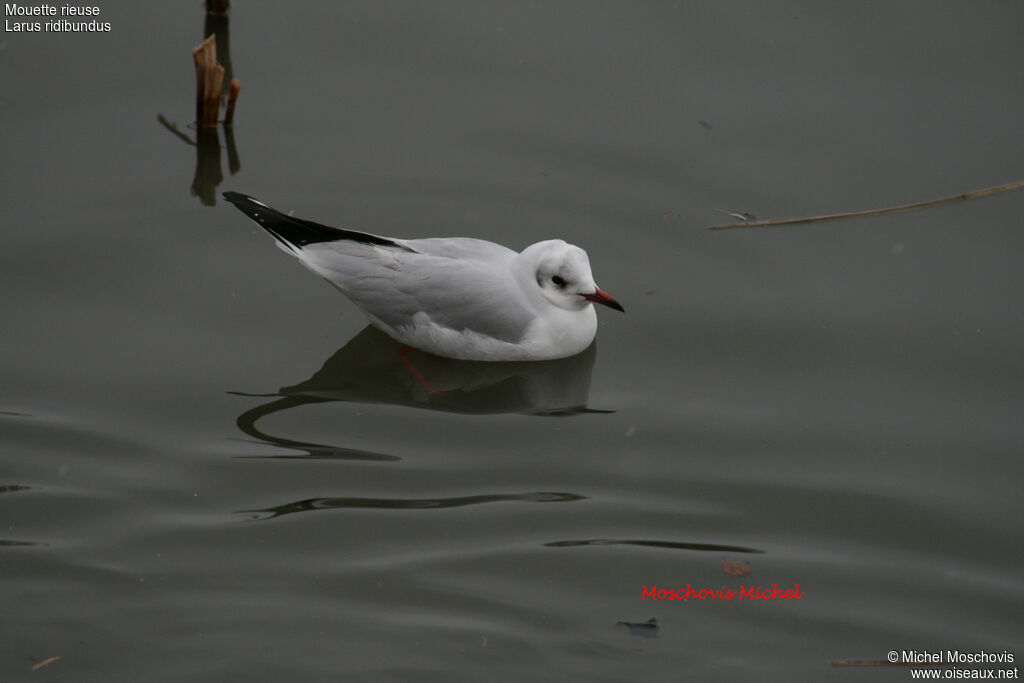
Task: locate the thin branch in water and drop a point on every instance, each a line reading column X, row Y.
column 173, row 127
column 875, row 212
column 46, row 662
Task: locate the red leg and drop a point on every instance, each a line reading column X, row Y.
column 403, row 355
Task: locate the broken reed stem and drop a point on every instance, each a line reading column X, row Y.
column 874, row 212
column 209, row 81
column 229, row 115
column 217, row 6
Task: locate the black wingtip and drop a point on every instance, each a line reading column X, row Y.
column 244, row 202
column 297, row 232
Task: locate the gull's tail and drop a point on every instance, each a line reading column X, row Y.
column 295, row 233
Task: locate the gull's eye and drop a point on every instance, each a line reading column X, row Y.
column 557, row 281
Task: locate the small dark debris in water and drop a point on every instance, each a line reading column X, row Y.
column 705, row 124
column 737, row 568
column 642, row 629
column 14, row 487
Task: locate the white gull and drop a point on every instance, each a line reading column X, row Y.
column 456, row 297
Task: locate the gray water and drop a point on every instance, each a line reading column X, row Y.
column 211, row 472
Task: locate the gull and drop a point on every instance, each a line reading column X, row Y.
column 456, row 297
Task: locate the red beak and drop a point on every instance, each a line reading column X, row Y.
column 601, row 297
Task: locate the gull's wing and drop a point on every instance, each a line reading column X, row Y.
column 458, row 283
column 398, row 287
column 292, row 233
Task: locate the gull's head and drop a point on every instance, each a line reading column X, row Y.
column 562, row 272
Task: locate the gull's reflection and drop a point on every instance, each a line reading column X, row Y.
column 410, row 503
column 372, row 368
column 247, row 423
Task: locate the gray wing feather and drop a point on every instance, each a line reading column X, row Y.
column 460, row 283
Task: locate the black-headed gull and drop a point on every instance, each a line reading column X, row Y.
column 456, row 296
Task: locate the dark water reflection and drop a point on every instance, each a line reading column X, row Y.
column 318, row 451
column 13, row 488
column 670, row 545
column 373, row 368
column 411, row 504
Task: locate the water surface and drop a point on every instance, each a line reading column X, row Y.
column 212, row 472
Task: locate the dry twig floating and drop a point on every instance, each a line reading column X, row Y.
column 874, row 212
column 45, row 662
